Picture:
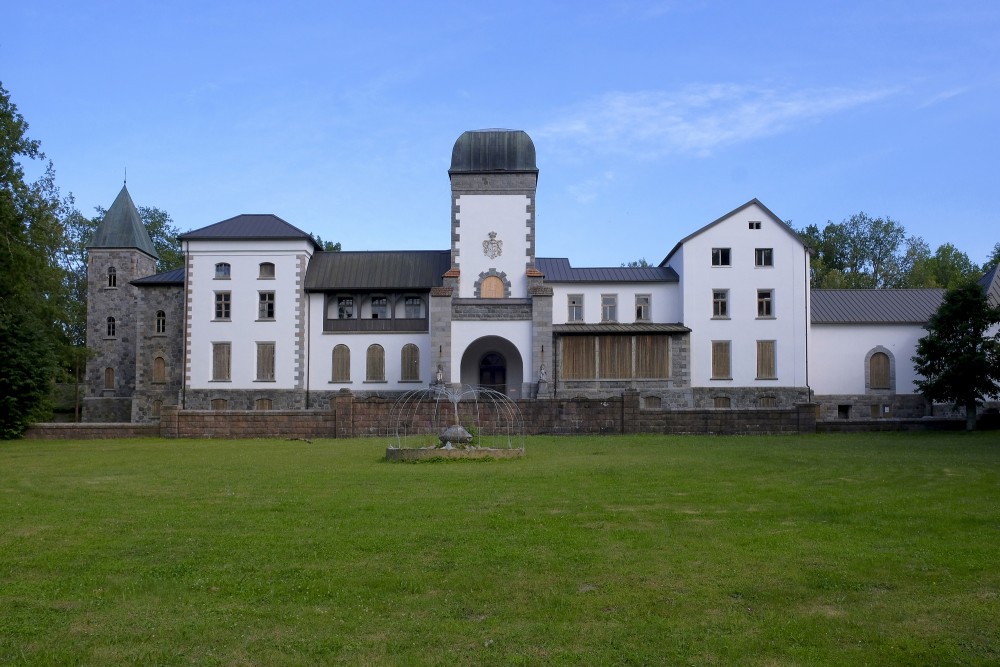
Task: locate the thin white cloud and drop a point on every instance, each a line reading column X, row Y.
column 588, row 190
column 943, row 96
column 698, row 119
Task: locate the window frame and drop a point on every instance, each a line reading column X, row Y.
column 159, row 373
column 765, row 304
column 722, row 257
column 413, row 307
column 223, row 306
column 266, row 362
column 381, row 301
column 112, row 278
column 223, row 271
column 574, row 308
column 643, row 311
column 111, row 330
column 345, row 302
column 609, row 308
column 763, row 258
column 160, row 322
column 264, row 274
column 265, row 306
column 720, row 304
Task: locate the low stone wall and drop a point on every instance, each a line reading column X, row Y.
column 302, row 424
column 90, row 431
column 885, row 425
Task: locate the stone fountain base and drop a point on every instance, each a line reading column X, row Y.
column 428, row 453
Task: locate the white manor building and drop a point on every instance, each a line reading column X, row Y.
column 261, row 318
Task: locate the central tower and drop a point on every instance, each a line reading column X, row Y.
column 493, row 181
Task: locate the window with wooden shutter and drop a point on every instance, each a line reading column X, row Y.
column 766, row 362
column 879, row 371
column 492, row 287
column 409, row 359
column 157, row 407
column 615, row 357
column 375, row 367
column 221, row 361
column 159, row 370
column 652, row 357
column 266, row 270
column 263, row 404
column 265, row 362
column 578, row 360
column 109, row 378
column 721, row 369
column 341, row 363
column 220, row 404
column 722, row 402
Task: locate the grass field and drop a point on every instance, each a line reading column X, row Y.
column 872, row 549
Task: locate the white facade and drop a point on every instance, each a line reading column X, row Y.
column 840, row 352
column 760, row 268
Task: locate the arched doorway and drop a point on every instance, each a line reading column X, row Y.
column 493, row 372
column 494, row 362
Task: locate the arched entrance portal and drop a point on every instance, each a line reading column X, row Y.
column 493, row 372
column 494, row 362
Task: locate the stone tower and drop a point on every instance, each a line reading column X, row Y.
column 120, row 252
column 486, row 317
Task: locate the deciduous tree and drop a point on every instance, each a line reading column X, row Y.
column 959, row 358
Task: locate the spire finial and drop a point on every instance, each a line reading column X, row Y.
column 125, row 182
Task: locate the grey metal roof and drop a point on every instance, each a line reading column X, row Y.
column 616, row 328
column 493, row 150
column 767, row 211
column 249, row 226
column 122, row 227
column 172, row 277
column 377, row 270
column 874, row 306
column 558, row 270
column 990, row 282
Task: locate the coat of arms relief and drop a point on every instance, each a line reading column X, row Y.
column 493, row 248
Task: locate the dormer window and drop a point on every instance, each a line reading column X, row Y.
column 222, row 271
column 112, row 277
column 266, row 271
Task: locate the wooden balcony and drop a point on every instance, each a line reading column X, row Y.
column 397, row 325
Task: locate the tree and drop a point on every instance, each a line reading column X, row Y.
column 32, row 288
column 860, row 252
column 948, row 267
column 993, row 259
column 640, row 263
column 328, row 246
column 958, row 360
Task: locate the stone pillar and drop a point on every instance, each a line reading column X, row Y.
column 630, row 411
column 542, row 352
column 343, row 404
column 440, row 324
column 169, row 421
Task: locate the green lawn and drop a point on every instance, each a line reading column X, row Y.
column 877, row 549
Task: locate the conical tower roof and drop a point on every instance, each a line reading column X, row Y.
column 122, row 227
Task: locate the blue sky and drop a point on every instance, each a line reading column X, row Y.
column 650, row 119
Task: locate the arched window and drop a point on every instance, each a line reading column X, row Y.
column 112, row 327
column 491, row 288
column 409, row 363
column 375, row 367
column 341, row 364
column 159, row 370
column 220, row 404
column 109, row 378
column 878, row 367
column 161, row 322
column 262, row 404
column 112, row 277
column 222, row 270
column 266, row 270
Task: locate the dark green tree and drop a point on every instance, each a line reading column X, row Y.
column 860, row 252
column 993, row 259
column 948, row 267
column 32, row 288
column 328, row 246
column 959, row 360
column 636, row 263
